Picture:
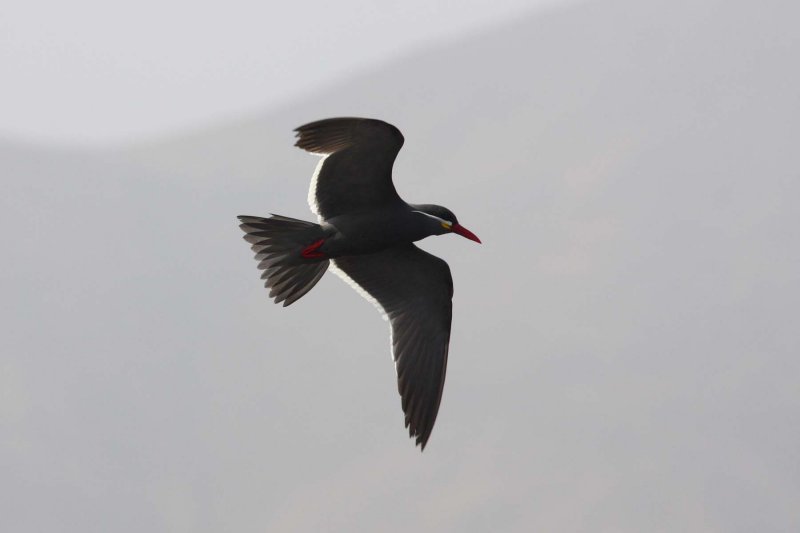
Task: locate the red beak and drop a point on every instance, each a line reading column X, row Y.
column 464, row 232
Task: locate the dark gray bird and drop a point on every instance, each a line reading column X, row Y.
column 368, row 231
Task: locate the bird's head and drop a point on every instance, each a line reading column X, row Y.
column 440, row 220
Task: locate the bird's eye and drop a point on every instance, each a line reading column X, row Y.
column 446, row 224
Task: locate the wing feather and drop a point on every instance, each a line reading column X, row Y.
column 356, row 170
column 414, row 289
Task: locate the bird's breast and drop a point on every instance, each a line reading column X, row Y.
column 367, row 233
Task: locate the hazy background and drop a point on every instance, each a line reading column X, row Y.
column 92, row 71
column 625, row 342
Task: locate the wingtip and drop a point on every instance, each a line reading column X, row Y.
column 422, row 441
column 420, row 438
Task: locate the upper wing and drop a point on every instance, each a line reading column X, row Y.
column 414, row 290
column 356, row 172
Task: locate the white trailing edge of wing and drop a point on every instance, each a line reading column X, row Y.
column 312, row 188
column 368, row 297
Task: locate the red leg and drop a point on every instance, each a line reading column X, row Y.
column 311, row 250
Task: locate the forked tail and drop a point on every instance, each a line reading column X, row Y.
column 286, row 250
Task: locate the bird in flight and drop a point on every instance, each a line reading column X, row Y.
column 366, row 235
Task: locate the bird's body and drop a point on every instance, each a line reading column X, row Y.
column 368, row 232
column 372, row 230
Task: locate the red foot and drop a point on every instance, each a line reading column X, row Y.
column 311, row 251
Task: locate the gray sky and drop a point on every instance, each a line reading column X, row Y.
column 624, row 355
column 91, row 70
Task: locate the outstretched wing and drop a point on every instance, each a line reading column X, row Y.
column 414, row 290
column 356, row 172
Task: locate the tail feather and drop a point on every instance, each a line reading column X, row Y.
column 278, row 242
